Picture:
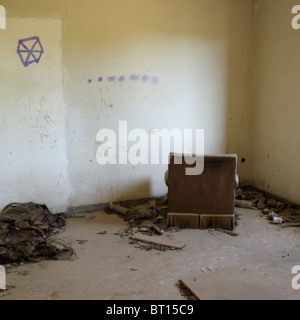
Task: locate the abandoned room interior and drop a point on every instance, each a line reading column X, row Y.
column 149, row 150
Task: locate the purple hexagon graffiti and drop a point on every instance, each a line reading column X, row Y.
column 30, row 50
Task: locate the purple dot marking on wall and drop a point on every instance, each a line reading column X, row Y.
column 155, row 80
column 134, row 77
column 145, row 78
column 111, row 79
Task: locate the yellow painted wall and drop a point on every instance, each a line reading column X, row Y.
column 276, row 147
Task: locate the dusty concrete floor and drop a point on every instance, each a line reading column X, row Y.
column 109, row 268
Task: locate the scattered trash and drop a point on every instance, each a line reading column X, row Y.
column 90, row 218
column 155, row 228
column 277, row 220
column 273, row 215
column 147, row 247
column 119, row 209
column 287, row 225
column 81, row 241
column 102, row 233
column 212, row 268
column 145, row 213
column 5, row 294
column 74, row 215
column 185, row 291
column 266, row 211
column 174, row 229
column 149, row 217
column 159, row 241
column 7, row 291
column 215, row 231
column 271, row 203
column 208, row 269
column 287, row 214
column 231, row 233
column 25, row 234
column 261, row 203
column 120, row 233
column 244, row 204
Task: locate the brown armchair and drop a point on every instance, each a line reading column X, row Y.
column 205, row 200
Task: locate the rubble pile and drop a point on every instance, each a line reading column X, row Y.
column 276, row 210
column 26, row 231
column 149, row 218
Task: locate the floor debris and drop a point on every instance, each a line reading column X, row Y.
column 81, row 241
column 288, row 225
column 119, row 209
column 185, row 291
column 6, row 292
column 150, row 218
column 90, row 218
column 278, row 211
column 74, row 215
column 231, row 233
column 155, row 228
column 26, row 232
column 206, row 270
column 158, row 240
column 102, row 233
column 154, row 211
column 244, row 204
